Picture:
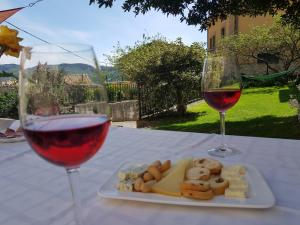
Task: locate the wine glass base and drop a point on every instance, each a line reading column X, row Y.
column 223, row 152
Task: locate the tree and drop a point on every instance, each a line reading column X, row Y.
column 6, row 74
column 279, row 40
column 46, row 88
column 172, row 68
column 205, row 13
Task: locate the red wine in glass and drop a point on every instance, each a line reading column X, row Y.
column 64, row 114
column 67, row 141
column 221, row 89
column 222, row 99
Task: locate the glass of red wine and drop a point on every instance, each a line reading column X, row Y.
column 221, row 89
column 63, row 107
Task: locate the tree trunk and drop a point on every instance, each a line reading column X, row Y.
column 181, row 107
column 265, row 62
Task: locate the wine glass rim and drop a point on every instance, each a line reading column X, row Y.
column 60, row 48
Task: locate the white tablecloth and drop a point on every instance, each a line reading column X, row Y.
column 34, row 192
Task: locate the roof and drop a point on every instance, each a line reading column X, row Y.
column 8, row 81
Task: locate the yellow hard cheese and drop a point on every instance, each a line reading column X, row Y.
column 170, row 185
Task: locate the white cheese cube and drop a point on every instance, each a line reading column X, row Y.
column 234, row 170
column 238, row 184
column 235, row 193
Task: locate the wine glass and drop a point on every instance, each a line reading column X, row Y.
column 221, row 89
column 63, row 107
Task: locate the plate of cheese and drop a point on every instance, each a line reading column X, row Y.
column 192, row 182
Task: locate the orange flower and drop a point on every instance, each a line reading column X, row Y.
column 9, row 42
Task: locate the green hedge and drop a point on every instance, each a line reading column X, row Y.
column 9, row 103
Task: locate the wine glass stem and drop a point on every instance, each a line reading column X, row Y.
column 222, row 126
column 73, row 175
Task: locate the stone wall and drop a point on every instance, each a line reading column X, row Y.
column 250, row 66
column 5, row 122
column 258, row 69
column 92, row 107
column 119, row 111
column 125, row 110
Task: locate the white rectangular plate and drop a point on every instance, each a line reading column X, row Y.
column 260, row 195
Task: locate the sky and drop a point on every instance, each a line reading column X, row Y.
column 75, row 21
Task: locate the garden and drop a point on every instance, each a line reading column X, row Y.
column 165, row 77
column 261, row 112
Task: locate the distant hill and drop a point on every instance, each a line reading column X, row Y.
column 10, row 68
column 110, row 72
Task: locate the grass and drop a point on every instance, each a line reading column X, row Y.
column 261, row 112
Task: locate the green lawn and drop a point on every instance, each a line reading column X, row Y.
column 263, row 112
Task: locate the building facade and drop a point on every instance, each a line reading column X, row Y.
column 234, row 25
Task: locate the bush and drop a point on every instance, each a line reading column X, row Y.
column 9, row 103
column 121, row 91
column 167, row 72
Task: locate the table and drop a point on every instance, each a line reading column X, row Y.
column 35, row 192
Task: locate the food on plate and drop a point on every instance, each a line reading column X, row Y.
column 147, row 176
column 125, row 185
column 238, row 185
column 168, row 171
column 198, row 178
column 165, row 166
column 201, row 195
column 147, row 186
column 133, row 172
column 154, row 171
column 235, row 193
column 214, row 166
column 170, row 185
column 141, row 178
column 156, row 163
column 195, row 185
column 219, row 185
column 203, row 179
column 138, row 184
column 234, row 171
column 198, row 173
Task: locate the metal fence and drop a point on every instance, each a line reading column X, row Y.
column 156, row 100
column 121, row 91
column 151, row 100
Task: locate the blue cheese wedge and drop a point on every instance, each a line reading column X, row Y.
column 125, row 185
column 132, row 172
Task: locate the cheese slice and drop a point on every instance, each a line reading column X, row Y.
column 170, row 185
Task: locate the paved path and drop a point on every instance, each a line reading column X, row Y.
column 129, row 124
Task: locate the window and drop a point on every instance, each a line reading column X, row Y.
column 223, row 32
column 210, row 43
column 236, row 25
column 268, row 57
column 214, row 42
